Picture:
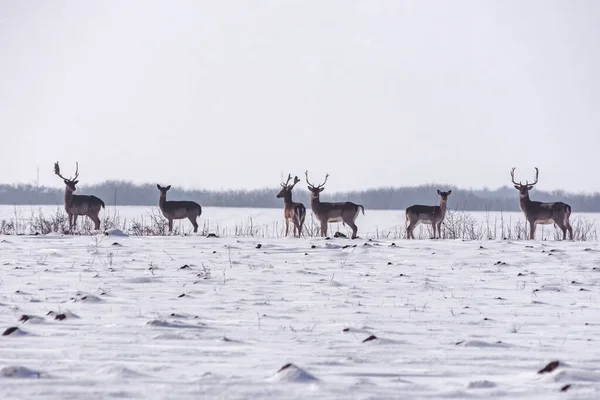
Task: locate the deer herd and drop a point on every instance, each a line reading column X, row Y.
column 535, row 212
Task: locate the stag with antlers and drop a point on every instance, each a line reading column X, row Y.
column 76, row 205
column 537, row 212
column 296, row 212
column 345, row 212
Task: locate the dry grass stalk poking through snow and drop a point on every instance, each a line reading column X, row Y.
column 268, row 223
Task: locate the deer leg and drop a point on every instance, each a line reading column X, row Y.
column 531, row 230
column 170, row 225
column 570, row 229
column 354, row 228
column 433, row 227
column 96, row 221
column 412, row 226
column 562, row 228
column 300, row 223
column 194, row 223
column 439, row 230
column 74, row 221
column 324, row 228
column 287, row 227
column 296, row 225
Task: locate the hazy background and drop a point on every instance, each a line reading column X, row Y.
column 233, row 94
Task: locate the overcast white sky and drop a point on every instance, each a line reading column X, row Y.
column 233, row 94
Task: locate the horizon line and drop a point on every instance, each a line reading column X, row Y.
column 183, row 188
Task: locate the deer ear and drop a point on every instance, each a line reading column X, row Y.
column 75, row 182
column 168, row 187
column 529, row 187
column 449, row 192
column 158, row 187
column 66, row 181
column 321, row 189
column 440, row 193
column 518, row 188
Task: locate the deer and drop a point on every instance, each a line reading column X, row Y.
column 178, row 209
column 433, row 215
column 296, row 212
column 346, row 212
column 76, row 205
column 536, row 212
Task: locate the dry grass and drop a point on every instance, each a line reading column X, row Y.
column 458, row 224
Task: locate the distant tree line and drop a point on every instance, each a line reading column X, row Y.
column 392, row 198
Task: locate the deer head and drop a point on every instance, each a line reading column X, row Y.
column 70, row 182
column 524, row 189
column 286, row 188
column 444, row 195
column 316, row 190
column 163, row 190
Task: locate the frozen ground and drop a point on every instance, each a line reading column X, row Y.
column 192, row 317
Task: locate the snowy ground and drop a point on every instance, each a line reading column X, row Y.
column 192, row 317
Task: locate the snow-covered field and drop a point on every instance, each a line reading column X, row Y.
column 194, row 317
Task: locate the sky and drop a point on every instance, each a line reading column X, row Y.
column 237, row 94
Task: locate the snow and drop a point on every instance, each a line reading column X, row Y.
column 194, row 317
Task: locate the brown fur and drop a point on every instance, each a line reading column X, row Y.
column 537, row 212
column 292, row 211
column 427, row 214
column 76, row 205
column 178, row 209
column 345, row 212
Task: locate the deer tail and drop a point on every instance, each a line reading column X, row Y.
column 362, row 208
column 567, row 213
column 99, row 200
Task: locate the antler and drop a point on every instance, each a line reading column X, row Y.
column 537, row 172
column 512, row 175
column 57, row 171
column 286, row 182
column 325, row 181
column 319, row 186
column 307, row 182
column 296, row 180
